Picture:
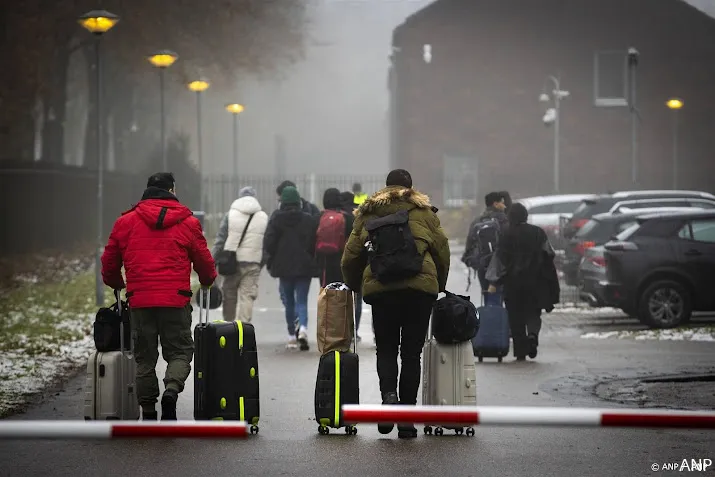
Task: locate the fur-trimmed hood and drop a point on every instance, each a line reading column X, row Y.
column 393, row 194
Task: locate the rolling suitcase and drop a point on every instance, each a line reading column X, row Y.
column 110, row 391
column 338, row 383
column 226, row 385
column 449, row 378
column 492, row 338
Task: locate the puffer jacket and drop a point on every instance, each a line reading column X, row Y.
column 426, row 229
column 232, row 226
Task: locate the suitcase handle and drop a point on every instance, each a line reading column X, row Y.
column 122, row 371
column 204, row 304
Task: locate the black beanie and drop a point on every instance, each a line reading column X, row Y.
column 399, row 177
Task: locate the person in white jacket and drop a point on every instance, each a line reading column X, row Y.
column 244, row 219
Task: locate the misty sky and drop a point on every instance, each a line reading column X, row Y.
column 332, row 107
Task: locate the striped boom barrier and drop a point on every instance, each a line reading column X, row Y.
column 527, row 416
column 122, row 430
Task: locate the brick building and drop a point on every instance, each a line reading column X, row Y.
column 471, row 120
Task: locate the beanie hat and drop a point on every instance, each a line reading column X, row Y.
column 399, row 177
column 290, row 195
column 247, row 191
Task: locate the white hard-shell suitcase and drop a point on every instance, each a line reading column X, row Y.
column 110, row 392
column 449, row 378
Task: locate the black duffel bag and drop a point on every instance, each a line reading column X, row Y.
column 215, row 297
column 454, row 319
column 107, row 324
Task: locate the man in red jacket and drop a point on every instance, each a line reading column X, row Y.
column 157, row 240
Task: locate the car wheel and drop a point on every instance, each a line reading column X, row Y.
column 665, row 304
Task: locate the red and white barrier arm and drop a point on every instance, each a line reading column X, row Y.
column 122, row 429
column 527, row 416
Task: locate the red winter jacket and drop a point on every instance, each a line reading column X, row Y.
column 156, row 241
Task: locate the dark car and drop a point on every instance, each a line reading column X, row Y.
column 644, row 199
column 597, row 231
column 663, row 268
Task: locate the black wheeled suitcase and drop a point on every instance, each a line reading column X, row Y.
column 338, row 383
column 226, row 385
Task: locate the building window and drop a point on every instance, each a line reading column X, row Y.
column 461, row 184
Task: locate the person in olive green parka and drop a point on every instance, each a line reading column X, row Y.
column 400, row 310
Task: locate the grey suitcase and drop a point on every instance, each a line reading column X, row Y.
column 110, row 391
column 449, row 378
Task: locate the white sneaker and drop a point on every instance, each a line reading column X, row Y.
column 303, row 338
column 292, row 343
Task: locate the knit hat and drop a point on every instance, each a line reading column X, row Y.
column 290, row 195
column 399, row 177
column 247, row 191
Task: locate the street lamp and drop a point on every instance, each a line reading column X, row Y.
column 99, row 22
column 199, row 86
column 553, row 116
column 675, row 105
column 235, row 109
column 162, row 60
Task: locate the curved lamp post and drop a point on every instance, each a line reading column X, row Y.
column 162, row 60
column 553, row 115
column 235, row 109
column 99, row 22
column 675, row 105
column 198, row 87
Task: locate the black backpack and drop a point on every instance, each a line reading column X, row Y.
column 486, row 235
column 391, row 248
column 454, row 319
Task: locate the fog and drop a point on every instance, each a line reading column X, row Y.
column 331, row 107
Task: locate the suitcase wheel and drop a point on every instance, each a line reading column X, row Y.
column 499, row 359
column 438, row 431
column 481, row 359
column 323, row 431
column 254, row 429
column 470, row 431
column 428, row 430
column 459, row 431
column 350, row 430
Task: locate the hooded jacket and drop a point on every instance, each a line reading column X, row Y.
column 232, row 227
column 156, row 241
column 289, row 243
column 426, row 229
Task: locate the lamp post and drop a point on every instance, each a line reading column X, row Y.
column 162, row 60
column 675, row 105
column 553, row 116
column 199, row 86
column 235, row 109
column 99, row 22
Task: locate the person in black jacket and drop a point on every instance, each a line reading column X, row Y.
column 289, row 245
column 524, row 265
column 329, row 263
column 349, row 206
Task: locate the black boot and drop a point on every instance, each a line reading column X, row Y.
column 533, row 341
column 388, row 399
column 406, row 431
column 149, row 415
column 168, row 405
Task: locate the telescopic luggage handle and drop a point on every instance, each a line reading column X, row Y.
column 204, row 303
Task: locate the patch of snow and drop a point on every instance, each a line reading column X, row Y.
column 586, row 310
column 677, row 334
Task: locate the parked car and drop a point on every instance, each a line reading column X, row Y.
column 661, row 269
column 597, row 231
column 592, row 275
column 548, row 211
column 633, row 200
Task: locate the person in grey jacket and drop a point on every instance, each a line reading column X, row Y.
column 241, row 232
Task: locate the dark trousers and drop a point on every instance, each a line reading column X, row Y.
column 400, row 319
column 524, row 321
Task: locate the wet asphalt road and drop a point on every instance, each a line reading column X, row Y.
column 288, row 442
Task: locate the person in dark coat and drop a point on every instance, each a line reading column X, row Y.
column 349, row 206
column 329, row 264
column 289, row 245
column 524, row 265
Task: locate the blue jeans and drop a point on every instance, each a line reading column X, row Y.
column 294, row 295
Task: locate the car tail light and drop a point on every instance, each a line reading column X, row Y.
column 618, row 246
column 582, row 246
column 577, row 224
column 598, row 261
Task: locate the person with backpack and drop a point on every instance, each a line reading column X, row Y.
column 334, row 228
column 524, row 265
column 238, row 251
column 483, row 239
column 398, row 255
column 289, row 246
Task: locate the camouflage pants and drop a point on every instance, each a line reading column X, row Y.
column 171, row 327
column 241, row 289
